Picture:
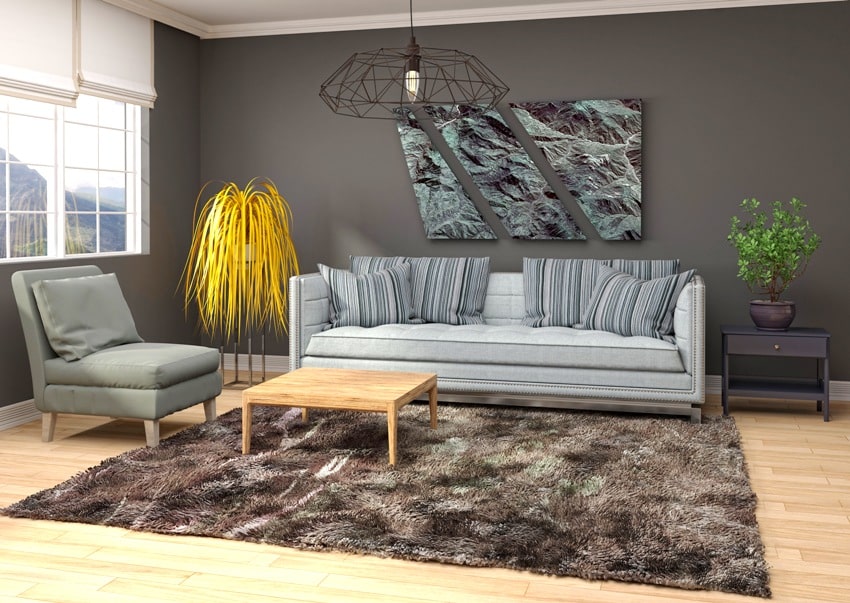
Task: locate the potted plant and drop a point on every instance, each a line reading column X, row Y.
column 240, row 259
column 774, row 247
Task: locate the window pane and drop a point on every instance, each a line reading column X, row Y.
column 112, row 114
column 113, row 232
column 113, row 192
column 28, row 107
column 112, row 150
column 81, row 190
column 4, row 168
column 28, row 187
column 81, row 146
column 85, row 112
column 3, row 236
column 31, row 139
column 27, row 235
column 80, row 233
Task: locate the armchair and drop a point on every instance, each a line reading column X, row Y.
column 86, row 357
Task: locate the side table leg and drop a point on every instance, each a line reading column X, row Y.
column 432, row 403
column 826, row 387
column 724, row 395
column 246, row 427
column 392, row 430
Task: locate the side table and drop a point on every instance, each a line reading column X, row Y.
column 794, row 342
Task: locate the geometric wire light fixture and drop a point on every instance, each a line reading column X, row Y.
column 377, row 83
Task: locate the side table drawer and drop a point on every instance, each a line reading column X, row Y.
column 776, row 345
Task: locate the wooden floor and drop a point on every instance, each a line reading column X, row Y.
column 799, row 466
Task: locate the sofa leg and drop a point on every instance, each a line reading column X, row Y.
column 152, row 433
column 48, row 426
column 696, row 415
column 209, row 410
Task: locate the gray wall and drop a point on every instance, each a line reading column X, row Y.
column 150, row 282
column 737, row 103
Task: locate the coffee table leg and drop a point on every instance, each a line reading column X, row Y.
column 432, row 403
column 305, row 414
column 246, row 427
column 392, row 430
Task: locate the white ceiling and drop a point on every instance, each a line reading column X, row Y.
column 235, row 18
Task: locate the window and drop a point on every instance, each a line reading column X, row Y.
column 70, row 179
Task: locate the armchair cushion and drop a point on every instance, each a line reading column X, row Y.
column 83, row 315
column 135, row 366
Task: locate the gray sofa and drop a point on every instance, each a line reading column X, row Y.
column 504, row 362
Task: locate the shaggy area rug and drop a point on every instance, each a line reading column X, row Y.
column 594, row 495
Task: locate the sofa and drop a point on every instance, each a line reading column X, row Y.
column 504, row 353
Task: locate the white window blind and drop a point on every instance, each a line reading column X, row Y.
column 55, row 49
column 116, row 54
column 39, row 58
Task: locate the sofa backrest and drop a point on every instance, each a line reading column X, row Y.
column 505, row 302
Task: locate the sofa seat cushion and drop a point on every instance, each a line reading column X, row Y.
column 135, row 366
column 498, row 344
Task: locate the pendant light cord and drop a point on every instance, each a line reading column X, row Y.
column 411, row 18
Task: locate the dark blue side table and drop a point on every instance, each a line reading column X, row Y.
column 794, row 342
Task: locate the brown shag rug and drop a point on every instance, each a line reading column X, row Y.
column 598, row 496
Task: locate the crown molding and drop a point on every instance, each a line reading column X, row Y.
column 557, row 10
column 158, row 12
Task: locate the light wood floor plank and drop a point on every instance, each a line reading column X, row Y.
column 799, row 467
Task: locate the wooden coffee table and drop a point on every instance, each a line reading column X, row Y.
column 341, row 389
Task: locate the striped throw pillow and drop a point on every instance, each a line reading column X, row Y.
column 368, row 300
column 630, row 306
column 557, row 290
column 364, row 264
column 449, row 290
column 645, row 269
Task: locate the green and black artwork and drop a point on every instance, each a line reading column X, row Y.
column 533, row 168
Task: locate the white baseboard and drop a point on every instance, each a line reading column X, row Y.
column 18, row 414
column 24, row 412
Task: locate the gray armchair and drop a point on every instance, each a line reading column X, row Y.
column 86, row 357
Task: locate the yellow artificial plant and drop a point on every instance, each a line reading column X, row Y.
column 241, row 259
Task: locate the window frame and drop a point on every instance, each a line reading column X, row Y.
column 136, row 179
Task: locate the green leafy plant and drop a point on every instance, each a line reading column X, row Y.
column 774, row 247
column 241, row 259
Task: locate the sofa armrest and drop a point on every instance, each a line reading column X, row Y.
column 309, row 313
column 689, row 329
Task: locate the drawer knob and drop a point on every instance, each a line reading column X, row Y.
column 776, row 347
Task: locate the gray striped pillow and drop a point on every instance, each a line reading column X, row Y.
column 364, row 264
column 449, row 290
column 630, row 306
column 368, row 300
column 557, row 290
column 645, row 269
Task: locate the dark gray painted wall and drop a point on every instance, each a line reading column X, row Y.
column 150, row 283
column 737, row 103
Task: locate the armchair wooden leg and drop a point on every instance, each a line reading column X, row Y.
column 209, row 410
column 152, row 433
column 48, row 426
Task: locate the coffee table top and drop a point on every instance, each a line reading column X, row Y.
column 320, row 386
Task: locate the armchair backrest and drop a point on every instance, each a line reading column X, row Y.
column 38, row 348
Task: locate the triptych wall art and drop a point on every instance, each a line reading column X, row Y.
column 568, row 170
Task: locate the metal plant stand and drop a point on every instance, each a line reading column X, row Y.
column 250, row 359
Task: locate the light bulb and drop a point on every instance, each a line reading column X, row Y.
column 411, row 84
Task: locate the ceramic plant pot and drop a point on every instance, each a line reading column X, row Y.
column 772, row 316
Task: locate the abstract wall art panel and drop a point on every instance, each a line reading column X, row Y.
column 471, row 170
column 595, row 148
column 504, row 173
column 447, row 211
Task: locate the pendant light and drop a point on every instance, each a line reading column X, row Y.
column 379, row 83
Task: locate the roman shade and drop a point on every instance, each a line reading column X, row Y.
column 55, row 50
